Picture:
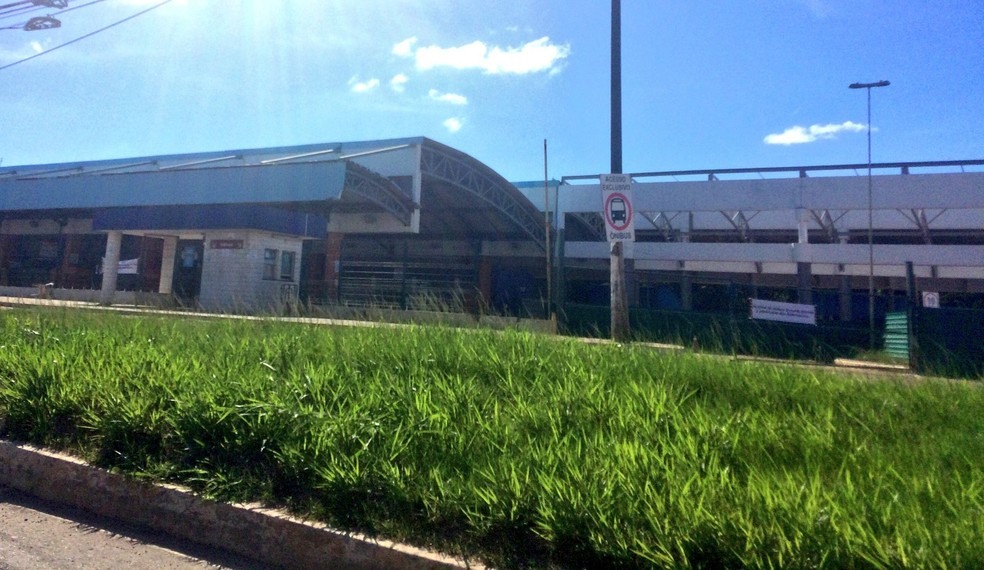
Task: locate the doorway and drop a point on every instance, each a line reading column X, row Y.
column 188, row 270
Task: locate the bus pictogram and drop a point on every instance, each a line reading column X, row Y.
column 618, row 210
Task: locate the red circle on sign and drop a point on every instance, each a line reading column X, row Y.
column 618, row 211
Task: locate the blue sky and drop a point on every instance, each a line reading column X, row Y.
column 706, row 84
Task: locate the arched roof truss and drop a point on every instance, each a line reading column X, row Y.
column 468, row 175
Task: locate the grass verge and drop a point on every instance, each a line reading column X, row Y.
column 513, row 448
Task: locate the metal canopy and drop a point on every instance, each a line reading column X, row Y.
column 374, row 188
column 101, row 186
column 463, row 196
column 460, row 197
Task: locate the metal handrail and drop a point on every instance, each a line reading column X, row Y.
column 801, row 171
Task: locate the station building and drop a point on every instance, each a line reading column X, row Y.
column 399, row 222
column 415, row 224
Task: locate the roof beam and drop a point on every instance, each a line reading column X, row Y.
column 486, row 186
column 379, row 190
column 200, row 162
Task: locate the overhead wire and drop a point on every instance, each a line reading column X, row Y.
column 33, row 8
column 21, row 4
column 89, row 35
column 19, row 12
column 17, row 9
column 86, row 5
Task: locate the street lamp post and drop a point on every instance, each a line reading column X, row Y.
column 871, row 247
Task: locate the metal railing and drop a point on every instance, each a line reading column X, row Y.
column 799, row 171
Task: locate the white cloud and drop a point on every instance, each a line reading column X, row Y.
column 452, row 98
column 36, row 46
column 453, row 124
column 405, row 48
column 463, row 57
column 538, row 55
column 399, row 82
column 363, row 86
column 801, row 135
column 531, row 57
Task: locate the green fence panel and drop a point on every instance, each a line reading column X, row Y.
column 897, row 334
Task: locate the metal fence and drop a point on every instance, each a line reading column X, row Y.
column 414, row 285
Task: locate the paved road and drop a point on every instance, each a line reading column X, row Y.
column 35, row 535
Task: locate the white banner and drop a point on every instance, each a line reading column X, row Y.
column 125, row 267
column 128, row 266
column 785, row 312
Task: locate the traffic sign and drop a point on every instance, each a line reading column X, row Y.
column 617, row 208
column 931, row 299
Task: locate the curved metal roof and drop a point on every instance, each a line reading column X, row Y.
column 460, row 197
column 464, row 197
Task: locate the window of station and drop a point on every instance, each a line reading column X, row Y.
column 269, row 264
column 279, row 265
column 287, row 266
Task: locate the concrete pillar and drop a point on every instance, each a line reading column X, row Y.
column 804, row 273
column 167, row 265
column 687, row 291
column 845, row 298
column 802, row 228
column 804, row 282
column 560, row 283
column 687, row 278
column 111, row 263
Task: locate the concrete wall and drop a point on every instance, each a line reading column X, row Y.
column 88, row 296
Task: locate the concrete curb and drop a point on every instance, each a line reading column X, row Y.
column 266, row 535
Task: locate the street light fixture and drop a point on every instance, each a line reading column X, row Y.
column 871, row 247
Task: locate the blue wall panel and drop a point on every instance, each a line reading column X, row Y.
column 211, row 217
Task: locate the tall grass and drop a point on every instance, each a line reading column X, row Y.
column 514, row 448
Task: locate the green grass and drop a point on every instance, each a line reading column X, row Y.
column 517, row 449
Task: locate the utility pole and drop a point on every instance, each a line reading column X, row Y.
column 546, row 231
column 619, row 297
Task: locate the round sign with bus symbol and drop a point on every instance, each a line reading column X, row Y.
column 618, row 210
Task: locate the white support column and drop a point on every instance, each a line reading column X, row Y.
column 167, row 265
column 844, row 293
column 804, row 275
column 686, row 277
column 803, row 225
column 687, row 291
column 111, row 263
